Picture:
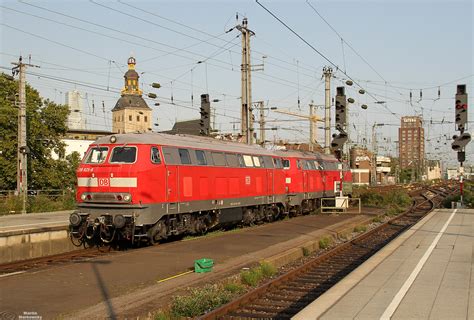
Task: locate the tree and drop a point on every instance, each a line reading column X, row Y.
column 46, row 124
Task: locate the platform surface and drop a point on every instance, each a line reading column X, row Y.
column 32, row 221
column 426, row 273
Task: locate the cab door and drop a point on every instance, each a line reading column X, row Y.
column 172, row 183
column 172, row 175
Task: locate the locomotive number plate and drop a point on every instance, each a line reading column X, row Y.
column 104, row 182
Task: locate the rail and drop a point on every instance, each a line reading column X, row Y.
column 288, row 294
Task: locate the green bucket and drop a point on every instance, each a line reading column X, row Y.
column 203, row 265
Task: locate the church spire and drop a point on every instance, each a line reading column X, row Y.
column 131, row 79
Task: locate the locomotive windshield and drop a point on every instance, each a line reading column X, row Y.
column 123, row 155
column 97, row 155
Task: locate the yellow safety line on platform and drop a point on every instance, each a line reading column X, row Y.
column 175, row 276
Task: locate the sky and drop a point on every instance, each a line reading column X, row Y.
column 389, row 48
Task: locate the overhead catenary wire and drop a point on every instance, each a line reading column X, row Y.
column 322, row 55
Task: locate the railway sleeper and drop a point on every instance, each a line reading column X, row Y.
column 290, row 299
column 272, row 309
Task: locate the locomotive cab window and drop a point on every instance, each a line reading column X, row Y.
column 219, row 159
column 256, row 161
column 97, row 155
column 184, row 156
column 248, row 161
column 232, row 160
column 201, row 157
column 286, row 163
column 123, row 155
column 155, row 155
column 277, row 163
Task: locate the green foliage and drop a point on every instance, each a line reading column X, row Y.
column 46, row 124
column 360, row 228
column 234, row 287
column 200, row 301
column 268, row 270
column 38, row 203
column 395, row 201
column 306, row 251
column 251, row 277
column 325, row 242
column 377, row 219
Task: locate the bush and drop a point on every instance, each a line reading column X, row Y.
column 268, row 270
column 38, row 203
column 251, row 277
column 234, row 287
column 360, row 228
column 377, row 219
column 325, row 242
column 305, row 252
column 200, row 301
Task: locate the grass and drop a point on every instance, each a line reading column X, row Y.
column 201, row 300
column 360, row 228
column 325, row 242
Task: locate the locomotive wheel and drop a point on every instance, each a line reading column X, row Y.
column 248, row 217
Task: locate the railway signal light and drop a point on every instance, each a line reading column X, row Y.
column 205, row 110
column 338, row 140
column 461, row 107
column 460, row 141
column 341, row 109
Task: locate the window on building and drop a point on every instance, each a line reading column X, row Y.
column 155, row 155
column 146, row 119
column 130, row 118
column 138, row 118
column 184, row 156
column 201, row 157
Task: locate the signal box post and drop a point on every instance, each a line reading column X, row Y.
column 461, row 140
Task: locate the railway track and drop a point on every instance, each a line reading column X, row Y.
column 288, row 294
column 53, row 260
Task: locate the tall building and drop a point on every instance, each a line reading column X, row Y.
column 411, row 139
column 131, row 113
column 76, row 119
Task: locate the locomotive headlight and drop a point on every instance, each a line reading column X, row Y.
column 83, row 197
column 119, row 221
column 127, row 197
column 113, row 139
column 75, row 219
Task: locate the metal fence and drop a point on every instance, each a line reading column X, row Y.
column 53, row 193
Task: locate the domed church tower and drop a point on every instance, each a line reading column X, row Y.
column 131, row 113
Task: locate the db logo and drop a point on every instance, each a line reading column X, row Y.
column 104, row 182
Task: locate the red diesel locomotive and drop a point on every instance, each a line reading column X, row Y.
column 149, row 186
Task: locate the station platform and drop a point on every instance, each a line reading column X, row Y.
column 26, row 223
column 32, row 235
column 425, row 273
